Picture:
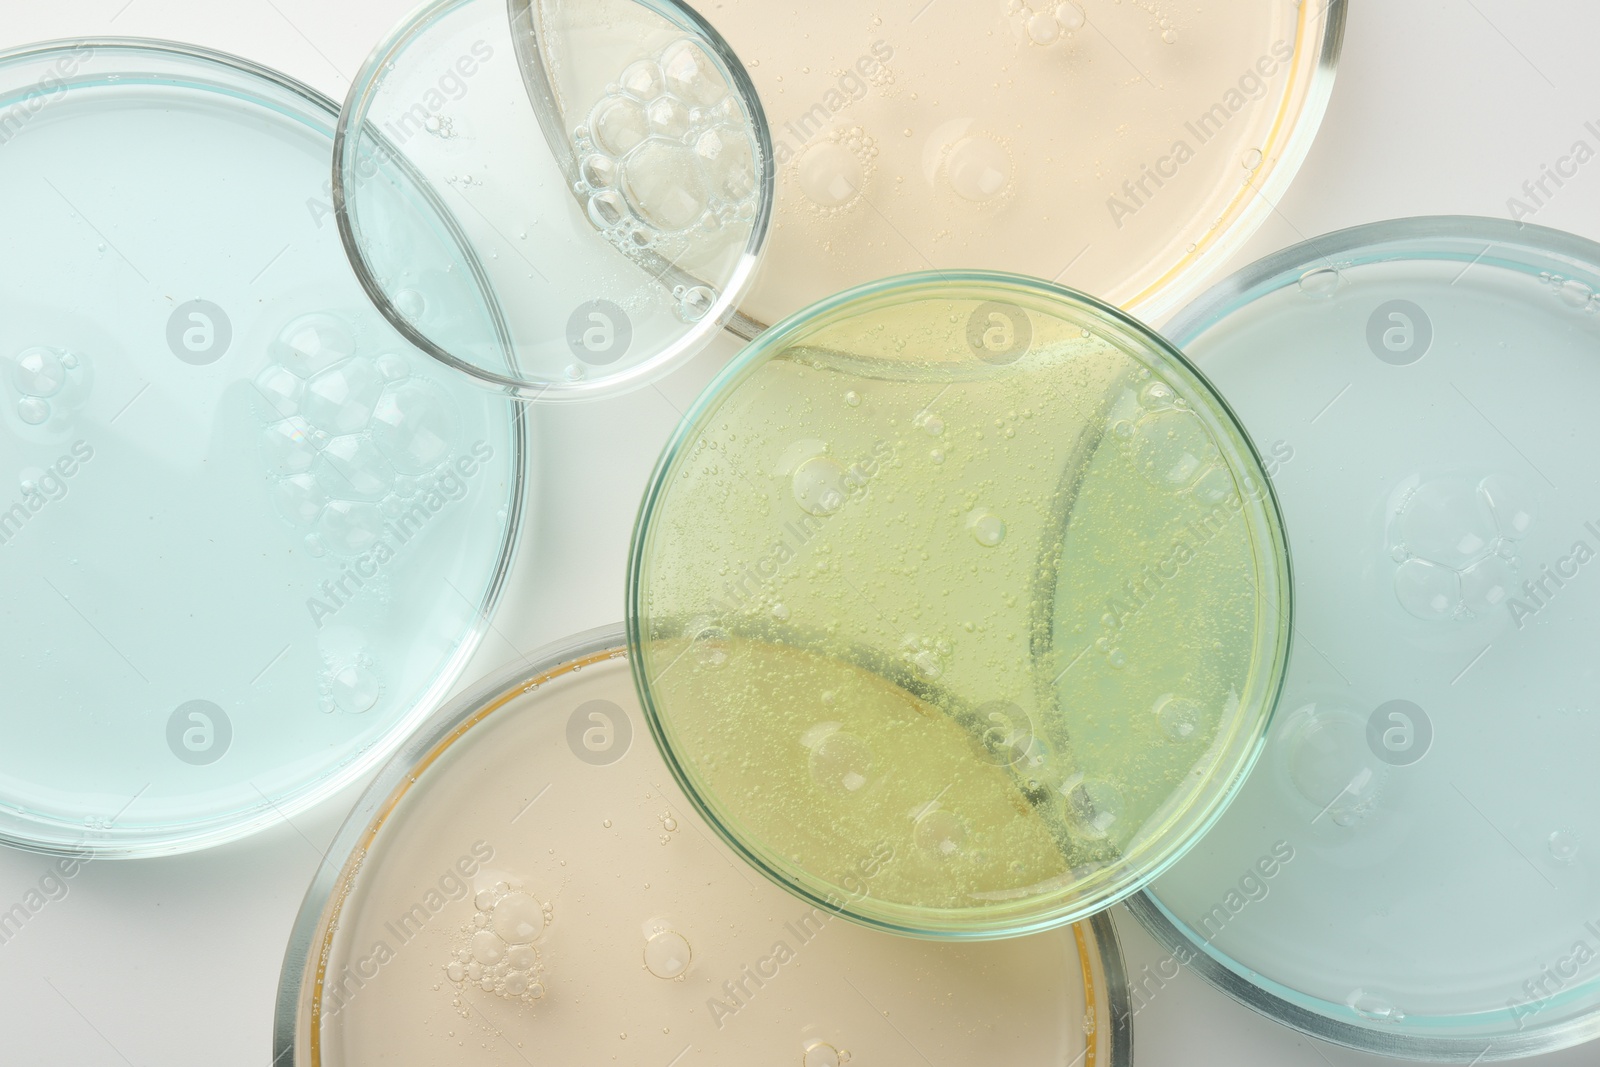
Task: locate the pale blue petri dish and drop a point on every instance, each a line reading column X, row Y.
column 249, row 536
column 1412, row 867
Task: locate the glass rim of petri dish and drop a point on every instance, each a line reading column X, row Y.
column 1161, row 287
column 1248, row 730
column 1318, row 265
column 495, row 356
column 120, row 63
column 296, row 1031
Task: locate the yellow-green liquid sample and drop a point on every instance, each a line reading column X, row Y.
column 1011, row 620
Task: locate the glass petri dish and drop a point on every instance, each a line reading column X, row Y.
column 597, row 172
column 968, row 564
column 1123, row 149
column 248, row 535
column 524, row 882
column 1411, row 869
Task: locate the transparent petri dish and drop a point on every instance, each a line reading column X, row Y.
column 597, row 172
column 1123, row 149
column 1411, row 867
column 248, row 535
column 972, row 565
column 523, row 882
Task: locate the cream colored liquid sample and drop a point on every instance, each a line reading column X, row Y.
column 1004, row 618
column 1099, row 143
column 645, row 941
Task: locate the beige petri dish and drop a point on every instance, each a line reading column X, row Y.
column 1121, row 147
column 525, row 883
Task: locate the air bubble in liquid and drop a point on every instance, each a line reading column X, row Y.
column 1070, row 16
column 619, row 125
column 415, row 426
column 300, row 499
column 1180, row 718
column 341, row 399
column 819, row 486
column 696, row 302
column 667, row 954
column 33, row 411
column 642, row 80
column 830, row 174
column 664, row 186
column 352, row 467
column 350, row 527
column 517, row 918
column 356, row 689
column 312, row 343
column 1320, row 282
column 411, row 304
column 940, row 833
column 691, row 75
column 1563, row 846
column 841, row 763
column 286, row 446
column 40, row 371
column 979, row 168
column 728, row 162
column 987, row 529
column 281, row 388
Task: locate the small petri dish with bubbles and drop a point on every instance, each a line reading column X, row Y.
column 249, row 536
column 968, row 566
column 525, row 881
column 1411, row 867
column 596, row 184
column 1124, row 149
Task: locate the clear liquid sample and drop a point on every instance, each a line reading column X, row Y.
column 592, row 175
column 966, row 569
column 1428, row 771
column 542, row 891
column 1116, row 147
column 236, row 503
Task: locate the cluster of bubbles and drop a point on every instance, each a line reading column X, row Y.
column 48, row 382
column 351, row 440
column 1573, row 292
column 1454, row 543
column 665, row 160
column 495, row 952
column 1050, row 22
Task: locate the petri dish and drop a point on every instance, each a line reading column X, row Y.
column 968, row 565
column 523, row 882
column 248, row 535
column 1123, row 149
column 595, row 171
column 1410, row 868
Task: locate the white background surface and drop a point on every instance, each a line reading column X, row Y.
column 1441, row 106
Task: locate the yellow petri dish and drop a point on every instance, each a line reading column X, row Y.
column 524, row 883
column 971, row 568
column 1125, row 148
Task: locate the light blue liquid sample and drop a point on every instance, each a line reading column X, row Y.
column 248, row 537
column 1413, row 864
